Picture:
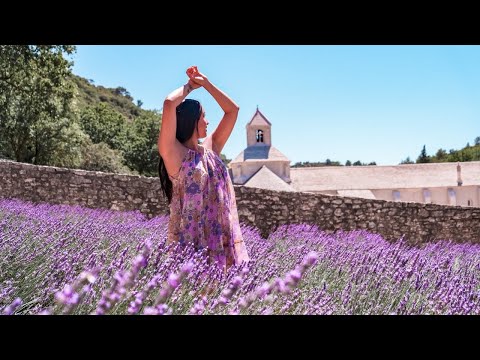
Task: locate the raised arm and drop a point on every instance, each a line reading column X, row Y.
column 224, row 129
column 167, row 138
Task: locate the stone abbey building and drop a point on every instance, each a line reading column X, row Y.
column 262, row 165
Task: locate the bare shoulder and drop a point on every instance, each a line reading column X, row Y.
column 174, row 157
column 209, row 144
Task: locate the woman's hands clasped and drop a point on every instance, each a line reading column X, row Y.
column 196, row 78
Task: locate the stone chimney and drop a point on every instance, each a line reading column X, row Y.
column 459, row 175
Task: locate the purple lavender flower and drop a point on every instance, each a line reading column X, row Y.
column 10, row 309
column 311, row 258
column 173, row 280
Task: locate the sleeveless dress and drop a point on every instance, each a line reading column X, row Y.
column 203, row 209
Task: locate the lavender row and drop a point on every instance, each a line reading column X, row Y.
column 58, row 259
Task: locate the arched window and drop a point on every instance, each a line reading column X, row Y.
column 260, row 136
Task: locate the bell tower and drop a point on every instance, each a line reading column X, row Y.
column 259, row 130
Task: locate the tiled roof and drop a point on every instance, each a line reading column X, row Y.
column 384, row 177
column 267, row 179
column 259, row 119
column 260, row 152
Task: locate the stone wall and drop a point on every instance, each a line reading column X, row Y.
column 87, row 188
column 265, row 209
column 418, row 222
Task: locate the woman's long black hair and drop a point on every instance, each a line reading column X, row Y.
column 188, row 114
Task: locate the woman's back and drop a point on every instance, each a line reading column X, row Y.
column 203, row 209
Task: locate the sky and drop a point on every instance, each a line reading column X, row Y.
column 377, row 103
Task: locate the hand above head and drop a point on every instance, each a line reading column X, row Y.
column 191, row 71
column 196, row 76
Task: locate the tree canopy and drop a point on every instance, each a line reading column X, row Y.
column 36, row 104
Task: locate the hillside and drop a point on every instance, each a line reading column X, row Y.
column 120, row 101
column 118, row 98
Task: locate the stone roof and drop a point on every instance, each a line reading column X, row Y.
column 267, row 179
column 384, row 177
column 260, row 152
column 259, row 119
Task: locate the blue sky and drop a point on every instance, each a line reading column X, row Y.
column 369, row 103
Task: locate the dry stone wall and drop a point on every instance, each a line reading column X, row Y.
column 265, row 209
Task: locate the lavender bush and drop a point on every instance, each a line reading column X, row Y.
column 59, row 259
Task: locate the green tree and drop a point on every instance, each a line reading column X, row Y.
column 100, row 157
column 441, row 156
column 70, row 147
column 103, row 124
column 466, row 154
column 123, row 92
column 36, row 94
column 348, row 163
column 423, row 157
column 407, row 161
column 139, row 143
column 477, row 140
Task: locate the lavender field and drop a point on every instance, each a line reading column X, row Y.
column 58, row 259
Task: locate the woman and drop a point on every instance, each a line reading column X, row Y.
column 193, row 177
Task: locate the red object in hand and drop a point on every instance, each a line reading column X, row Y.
column 192, row 71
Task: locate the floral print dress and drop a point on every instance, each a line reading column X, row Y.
column 203, row 209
